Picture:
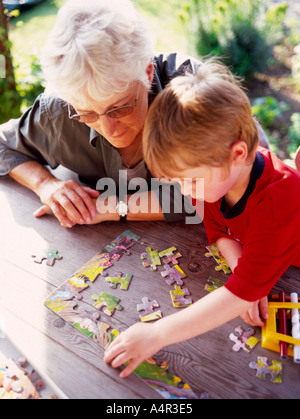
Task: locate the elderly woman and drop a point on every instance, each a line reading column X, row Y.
column 102, row 75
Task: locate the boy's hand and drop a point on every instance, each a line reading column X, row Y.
column 136, row 344
column 255, row 315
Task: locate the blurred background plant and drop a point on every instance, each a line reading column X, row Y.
column 242, row 32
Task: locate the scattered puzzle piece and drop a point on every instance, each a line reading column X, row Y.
column 175, row 273
column 153, row 259
column 216, row 254
column 148, row 307
column 262, row 367
column 124, row 281
column 178, row 297
column 245, row 339
column 120, row 245
column 49, row 255
column 215, row 283
column 107, row 300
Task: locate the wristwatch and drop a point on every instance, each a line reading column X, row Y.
column 122, row 210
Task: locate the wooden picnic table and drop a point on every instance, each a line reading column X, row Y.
column 73, row 361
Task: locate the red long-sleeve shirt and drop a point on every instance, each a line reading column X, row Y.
column 266, row 220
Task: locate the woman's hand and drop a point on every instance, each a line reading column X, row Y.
column 137, row 343
column 70, row 203
column 258, row 312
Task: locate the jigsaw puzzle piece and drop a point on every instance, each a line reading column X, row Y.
column 92, row 273
column 215, row 283
column 262, row 367
column 153, row 259
column 120, row 245
column 245, row 339
column 178, row 296
column 148, row 307
column 49, row 255
column 107, row 300
column 175, row 273
column 124, row 281
column 167, row 385
column 216, row 254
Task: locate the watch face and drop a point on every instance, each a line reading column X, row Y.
column 122, row 208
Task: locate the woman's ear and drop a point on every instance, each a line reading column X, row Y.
column 239, row 152
column 150, row 72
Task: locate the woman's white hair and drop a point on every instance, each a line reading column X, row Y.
column 96, row 49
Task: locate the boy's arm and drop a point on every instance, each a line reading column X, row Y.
column 232, row 251
column 142, row 340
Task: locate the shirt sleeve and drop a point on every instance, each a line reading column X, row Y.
column 27, row 138
column 272, row 245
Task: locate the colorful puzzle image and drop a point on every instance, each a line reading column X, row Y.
column 262, row 367
column 214, row 283
column 178, row 296
column 243, row 339
column 168, row 385
column 14, row 383
column 216, row 254
column 65, row 299
column 174, row 273
column 148, row 307
column 49, row 255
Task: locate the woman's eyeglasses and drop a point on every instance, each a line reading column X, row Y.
column 115, row 113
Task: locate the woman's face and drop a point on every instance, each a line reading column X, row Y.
column 120, row 132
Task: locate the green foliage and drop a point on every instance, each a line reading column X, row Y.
column 267, row 109
column 29, row 78
column 241, row 32
column 296, row 69
column 294, row 132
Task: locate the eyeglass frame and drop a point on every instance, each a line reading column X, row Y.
column 107, row 113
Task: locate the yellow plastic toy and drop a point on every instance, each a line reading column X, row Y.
column 270, row 338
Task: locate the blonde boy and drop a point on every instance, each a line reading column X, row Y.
column 201, row 126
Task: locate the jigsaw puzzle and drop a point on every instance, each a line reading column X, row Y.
column 175, row 274
column 49, row 255
column 262, row 367
column 148, row 307
column 153, row 259
column 167, row 385
column 216, row 254
column 14, row 383
column 65, row 299
column 107, row 300
column 178, row 296
column 245, row 339
column 215, row 283
column 124, row 281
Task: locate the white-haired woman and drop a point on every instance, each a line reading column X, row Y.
column 102, row 74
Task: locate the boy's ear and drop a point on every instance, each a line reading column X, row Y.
column 239, row 151
column 150, row 72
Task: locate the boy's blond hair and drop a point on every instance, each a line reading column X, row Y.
column 195, row 120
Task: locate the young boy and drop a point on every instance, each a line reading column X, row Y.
column 201, row 126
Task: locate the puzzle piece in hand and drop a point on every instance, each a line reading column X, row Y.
column 245, row 339
column 49, row 255
column 178, row 297
column 148, row 307
column 215, row 283
column 124, row 281
column 216, row 254
column 153, row 259
column 175, row 273
column 107, row 300
column 262, row 367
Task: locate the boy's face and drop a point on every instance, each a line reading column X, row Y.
column 216, row 182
